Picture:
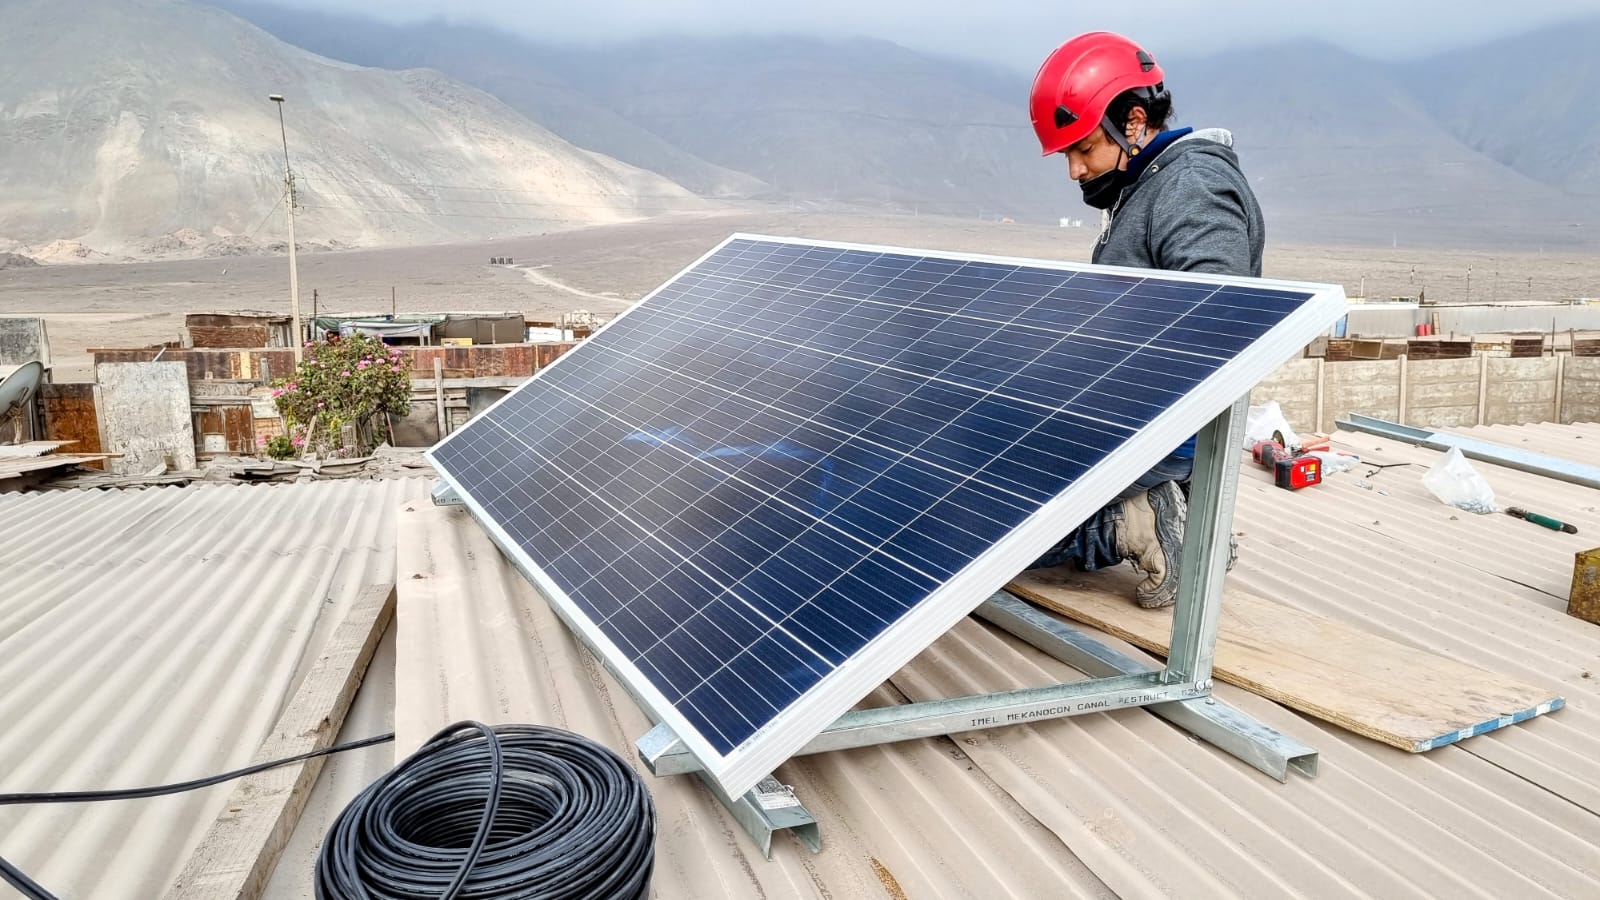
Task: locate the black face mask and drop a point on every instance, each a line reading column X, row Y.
column 1102, row 191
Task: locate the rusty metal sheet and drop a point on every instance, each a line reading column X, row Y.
column 1584, row 602
column 229, row 391
column 208, row 364
column 226, row 336
column 225, row 429
column 70, row 415
column 549, row 353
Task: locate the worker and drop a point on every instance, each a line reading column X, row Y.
column 1171, row 198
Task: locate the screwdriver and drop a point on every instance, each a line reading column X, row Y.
column 1546, row 521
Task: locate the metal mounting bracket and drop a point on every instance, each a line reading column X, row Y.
column 1180, row 692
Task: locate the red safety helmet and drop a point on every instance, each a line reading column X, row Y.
column 1079, row 80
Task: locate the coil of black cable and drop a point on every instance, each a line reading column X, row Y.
column 486, row 813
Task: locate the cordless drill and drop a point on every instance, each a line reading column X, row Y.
column 1290, row 470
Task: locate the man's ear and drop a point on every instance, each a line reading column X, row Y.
column 1137, row 119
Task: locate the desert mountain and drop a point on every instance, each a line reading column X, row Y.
column 507, row 67
column 137, row 126
column 1526, row 101
column 1342, row 148
column 858, row 121
column 1453, row 149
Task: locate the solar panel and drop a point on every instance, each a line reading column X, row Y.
column 771, row 483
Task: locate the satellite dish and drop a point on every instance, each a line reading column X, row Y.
column 15, row 391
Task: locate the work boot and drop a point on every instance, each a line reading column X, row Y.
column 1150, row 536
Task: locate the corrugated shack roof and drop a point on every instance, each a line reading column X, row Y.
column 149, row 636
column 1112, row 804
column 1118, row 804
column 1579, row 442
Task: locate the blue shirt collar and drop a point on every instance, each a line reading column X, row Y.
column 1147, row 155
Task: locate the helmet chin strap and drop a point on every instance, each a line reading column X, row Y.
column 1121, row 140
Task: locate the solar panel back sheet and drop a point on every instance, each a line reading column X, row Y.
column 792, row 467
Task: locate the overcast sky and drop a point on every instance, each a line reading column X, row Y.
column 1016, row 33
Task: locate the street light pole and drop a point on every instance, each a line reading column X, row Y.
column 294, row 271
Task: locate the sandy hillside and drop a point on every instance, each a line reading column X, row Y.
column 145, row 130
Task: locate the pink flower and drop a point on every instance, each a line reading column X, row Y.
column 320, row 404
column 345, row 374
column 363, row 364
column 394, row 368
column 261, row 442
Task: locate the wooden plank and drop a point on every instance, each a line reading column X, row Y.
column 1400, row 695
column 484, row 381
column 438, row 395
column 237, row 855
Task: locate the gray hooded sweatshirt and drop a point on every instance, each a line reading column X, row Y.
column 1191, row 210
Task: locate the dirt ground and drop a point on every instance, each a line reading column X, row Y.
column 604, row 269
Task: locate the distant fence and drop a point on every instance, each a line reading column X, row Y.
column 1441, row 393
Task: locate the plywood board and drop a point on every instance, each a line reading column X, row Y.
column 1403, row 696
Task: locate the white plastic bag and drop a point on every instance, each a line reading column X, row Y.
column 1334, row 462
column 1456, row 483
column 1261, row 421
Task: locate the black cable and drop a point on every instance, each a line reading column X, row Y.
column 32, row 890
column 483, row 813
column 569, row 819
column 182, row 786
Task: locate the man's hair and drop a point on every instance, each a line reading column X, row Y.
column 1157, row 107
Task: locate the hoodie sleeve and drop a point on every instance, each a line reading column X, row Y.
column 1198, row 224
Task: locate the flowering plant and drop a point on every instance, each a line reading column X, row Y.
column 349, row 380
column 281, row 446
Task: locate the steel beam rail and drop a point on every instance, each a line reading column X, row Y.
column 1214, row 722
column 1209, row 527
column 1486, row 451
column 664, row 754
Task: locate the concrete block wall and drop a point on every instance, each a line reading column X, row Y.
column 1521, row 390
column 1580, row 389
column 1368, row 387
column 1442, row 393
column 1294, row 386
column 1439, row 393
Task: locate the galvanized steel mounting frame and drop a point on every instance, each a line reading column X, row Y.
column 1179, row 693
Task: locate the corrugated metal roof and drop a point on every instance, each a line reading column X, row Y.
column 1579, row 442
column 1121, row 803
column 29, row 449
column 475, row 641
column 149, row 636
column 1116, row 804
